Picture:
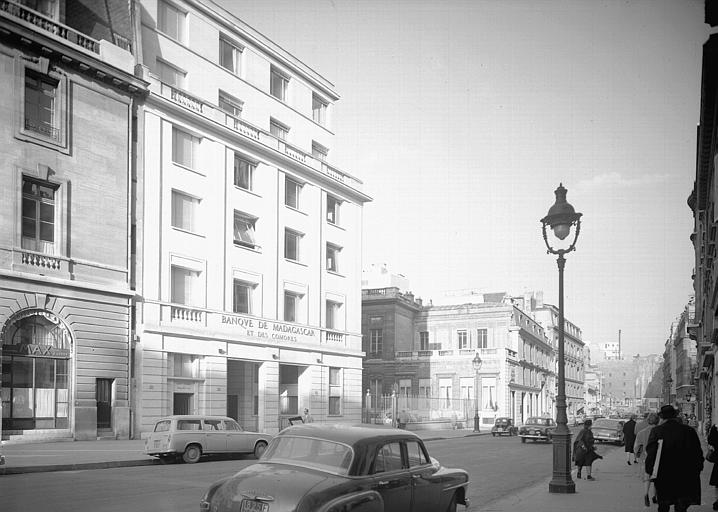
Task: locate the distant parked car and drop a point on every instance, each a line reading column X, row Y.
column 537, row 429
column 332, row 468
column 608, row 430
column 504, row 426
column 190, row 437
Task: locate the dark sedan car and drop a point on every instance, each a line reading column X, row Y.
column 608, row 430
column 334, row 468
column 538, row 429
column 504, row 426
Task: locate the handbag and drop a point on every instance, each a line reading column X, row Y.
column 711, row 455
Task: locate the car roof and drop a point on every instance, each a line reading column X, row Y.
column 348, row 434
column 194, row 417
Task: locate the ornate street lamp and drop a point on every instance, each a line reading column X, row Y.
column 561, row 218
column 477, row 362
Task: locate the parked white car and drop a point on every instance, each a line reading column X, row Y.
column 191, row 436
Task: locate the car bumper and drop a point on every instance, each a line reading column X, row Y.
column 607, row 439
column 535, row 436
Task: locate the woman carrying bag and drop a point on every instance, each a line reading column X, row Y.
column 584, row 452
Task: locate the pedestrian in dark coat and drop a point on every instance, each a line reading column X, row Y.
column 629, row 437
column 677, row 471
column 713, row 442
column 584, row 452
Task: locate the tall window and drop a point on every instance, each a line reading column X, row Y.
column 376, row 341
column 482, row 338
column 184, row 211
column 488, row 393
column 467, row 388
column 424, row 340
column 278, row 83
column 185, row 365
column 424, row 393
column 319, row 110
column 333, row 257
column 243, row 172
column 291, row 244
column 40, row 105
column 45, row 7
column 335, row 391
column 185, row 148
column 319, row 152
column 463, row 339
column 186, row 286
column 38, row 215
column 279, row 130
column 170, row 74
column 333, row 210
column 230, row 105
column 332, row 314
column 244, row 230
column 229, row 55
column 243, row 297
column 171, row 20
column 446, row 392
column 291, row 306
column 404, row 387
column 292, row 191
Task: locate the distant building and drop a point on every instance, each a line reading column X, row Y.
column 426, row 351
column 380, row 276
column 611, row 351
column 680, row 363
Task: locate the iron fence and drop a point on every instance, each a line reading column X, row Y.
column 397, row 410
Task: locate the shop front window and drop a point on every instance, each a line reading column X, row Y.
column 35, row 394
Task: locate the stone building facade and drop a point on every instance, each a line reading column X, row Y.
column 66, row 164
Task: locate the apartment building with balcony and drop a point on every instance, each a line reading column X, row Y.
column 250, row 238
column 66, row 153
column 573, row 352
column 427, row 351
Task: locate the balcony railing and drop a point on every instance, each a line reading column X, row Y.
column 463, row 353
column 334, row 337
column 248, row 130
column 42, row 129
column 42, row 261
column 49, row 25
column 186, row 314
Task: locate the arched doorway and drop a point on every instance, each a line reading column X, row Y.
column 35, row 372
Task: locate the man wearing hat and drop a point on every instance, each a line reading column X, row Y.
column 677, row 469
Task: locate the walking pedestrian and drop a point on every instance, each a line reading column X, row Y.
column 629, row 437
column 675, row 460
column 584, row 452
column 713, row 443
column 639, row 448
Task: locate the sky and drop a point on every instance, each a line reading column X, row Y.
column 462, row 117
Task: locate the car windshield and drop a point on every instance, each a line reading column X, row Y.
column 310, row 452
column 606, row 423
column 502, row 422
column 540, row 421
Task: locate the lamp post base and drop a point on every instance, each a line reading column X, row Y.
column 562, row 483
column 477, row 427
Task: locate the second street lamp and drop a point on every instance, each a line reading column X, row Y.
column 476, row 362
column 561, row 218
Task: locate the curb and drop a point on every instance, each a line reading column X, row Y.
column 77, row 467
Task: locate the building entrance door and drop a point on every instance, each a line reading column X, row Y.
column 182, row 403
column 103, row 395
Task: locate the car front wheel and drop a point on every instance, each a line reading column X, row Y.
column 192, row 454
column 259, row 449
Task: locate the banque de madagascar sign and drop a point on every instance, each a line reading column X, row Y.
column 267, row 330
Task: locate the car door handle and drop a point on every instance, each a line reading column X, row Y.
column 416, row 476
column 383, row 482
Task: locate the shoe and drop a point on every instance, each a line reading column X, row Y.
column 589, row 477
column 655, row 500
column 715, row 505
column 646, row 500
column 628, row 462
column 578, row 475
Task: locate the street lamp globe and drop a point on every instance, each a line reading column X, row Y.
column 561, row 217
column 477, row 362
